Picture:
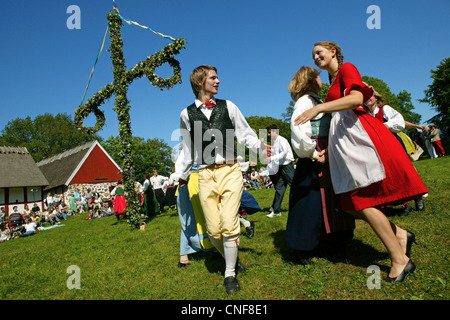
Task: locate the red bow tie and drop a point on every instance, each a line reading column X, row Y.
column 211, row 103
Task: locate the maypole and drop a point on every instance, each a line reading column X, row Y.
column 119, row 87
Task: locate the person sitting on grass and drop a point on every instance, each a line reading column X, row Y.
column 36, row 219
column 49, row 217
column 30, row 228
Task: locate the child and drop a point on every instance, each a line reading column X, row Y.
column 5, row 236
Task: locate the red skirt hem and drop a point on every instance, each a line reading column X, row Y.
column 402, row 182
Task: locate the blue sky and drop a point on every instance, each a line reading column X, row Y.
column 257, row 45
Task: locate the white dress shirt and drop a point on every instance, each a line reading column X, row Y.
column 157, row 182
column 393, row 119
column 282, row 152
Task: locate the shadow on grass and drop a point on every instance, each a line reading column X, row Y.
column 214, row 262
column 354, row 251
column 147, row 219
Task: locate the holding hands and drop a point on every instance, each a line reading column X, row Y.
column 322, row 156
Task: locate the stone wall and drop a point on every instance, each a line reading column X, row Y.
column 103, row 188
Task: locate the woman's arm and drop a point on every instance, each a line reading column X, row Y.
column 353, row 100
column 413, row 125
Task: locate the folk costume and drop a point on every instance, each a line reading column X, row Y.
column 157, row 185
column 209, row 134
column 193, row 237
column 435, row 139
column 149, row 204
column 368, row 166
column 392, row 119
column 314, row 210
column 120, row 204
column 281, row 170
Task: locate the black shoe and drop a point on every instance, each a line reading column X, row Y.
column 410, row 239
column 409, row 268
column 250, row 231
column 303, row 258
column 231, row 284
column 406, row 211
column 182, row 265
column 240, row 268
column 420, row 206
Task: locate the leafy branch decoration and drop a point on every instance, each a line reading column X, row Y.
column 119, row 87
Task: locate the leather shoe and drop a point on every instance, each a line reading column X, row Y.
column 410, row 239
column 231, row 284
column 406, row 211
column 420, row 206
column 409, row 268
column 250, row 231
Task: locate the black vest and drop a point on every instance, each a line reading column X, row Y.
column 216, row 135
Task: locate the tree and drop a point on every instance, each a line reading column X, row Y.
column 438, row 94
column 400, row 102
column 44, row 136
column 147, row 155
column 261, row 123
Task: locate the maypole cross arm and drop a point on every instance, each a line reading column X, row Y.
column 125, row 78
column 119, row 87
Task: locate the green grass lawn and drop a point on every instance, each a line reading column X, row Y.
column 116, row 263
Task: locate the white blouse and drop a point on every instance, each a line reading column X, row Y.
column 393, row 119
column 301, row 141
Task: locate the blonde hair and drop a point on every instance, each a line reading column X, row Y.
column 381, row 101
column 198, row 77
column 304, row 80
column 331, row 45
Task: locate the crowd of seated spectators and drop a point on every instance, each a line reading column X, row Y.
column 29, row 221
column 257, row 179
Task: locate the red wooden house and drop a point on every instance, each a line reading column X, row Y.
column 83, row 167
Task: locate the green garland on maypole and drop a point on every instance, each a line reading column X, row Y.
column 122, row 107
column 119, row 87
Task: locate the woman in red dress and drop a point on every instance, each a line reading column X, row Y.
column 367, row 165
column 120, row 204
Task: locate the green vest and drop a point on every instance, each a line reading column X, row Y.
column 213, row 138
column 321, row 127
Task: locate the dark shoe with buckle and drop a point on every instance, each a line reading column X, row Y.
column 420, row 206
column 231, row 284
column 250, row 231
column 406, row 211
column 409, row 268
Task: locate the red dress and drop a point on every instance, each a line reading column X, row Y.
column 120, row 204
column 402, row 182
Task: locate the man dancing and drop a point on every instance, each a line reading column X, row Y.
column 209, row 128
